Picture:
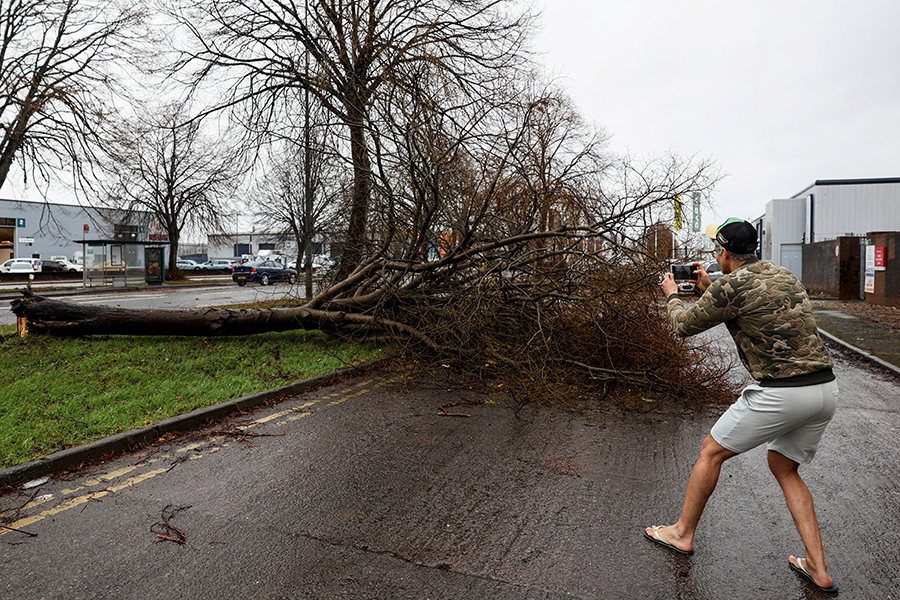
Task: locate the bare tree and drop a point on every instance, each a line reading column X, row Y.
column 556, row 163
column 360, row 50
column 298, row 196
column 59, row 61
column 164, row 165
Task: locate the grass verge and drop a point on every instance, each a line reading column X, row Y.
column 61, row 392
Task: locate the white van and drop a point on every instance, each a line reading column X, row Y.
column 35, row 264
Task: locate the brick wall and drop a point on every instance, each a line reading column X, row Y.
column 832, row 268
column 887, row 282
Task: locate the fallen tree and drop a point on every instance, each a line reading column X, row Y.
column 500, row 247
column 548, row 320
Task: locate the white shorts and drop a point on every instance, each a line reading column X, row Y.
column 790, row 419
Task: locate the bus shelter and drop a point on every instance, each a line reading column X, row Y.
column 123, row 262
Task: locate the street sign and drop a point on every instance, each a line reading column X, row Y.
column 26, row 240
column 87, row 228
column 20, row 222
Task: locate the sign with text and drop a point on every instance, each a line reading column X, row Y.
column 697, row 216
column 870, row 269
column 880, row 256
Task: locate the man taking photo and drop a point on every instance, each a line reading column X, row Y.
column 768, row 314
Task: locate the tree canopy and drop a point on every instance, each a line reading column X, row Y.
column 60, row 62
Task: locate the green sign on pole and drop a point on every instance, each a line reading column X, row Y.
column 697, row 216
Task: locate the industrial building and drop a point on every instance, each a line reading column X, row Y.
column 41, row 229
column 826, row 210
column 236, row 245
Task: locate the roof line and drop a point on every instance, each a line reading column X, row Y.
column 847, row 182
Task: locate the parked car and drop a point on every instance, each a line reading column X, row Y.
column 320, row 262
column 218, row 264
column 52, row 266
column 187, row 265
column 21, row 267
column 70, row 266
column 264, row 272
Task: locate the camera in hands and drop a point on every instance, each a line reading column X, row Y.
column 683, row 272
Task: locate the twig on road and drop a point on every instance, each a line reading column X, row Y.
column 18, row 530
column 165, row 531
column 443, row 410
column 243, row 436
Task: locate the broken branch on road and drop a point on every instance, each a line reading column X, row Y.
column 244, row 436
column 442, row 411
column 18, row 530
column 165, row 531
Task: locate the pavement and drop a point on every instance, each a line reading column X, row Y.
column 876, row 342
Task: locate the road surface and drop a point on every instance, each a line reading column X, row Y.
column 369, row 489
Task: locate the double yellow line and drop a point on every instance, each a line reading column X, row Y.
column 286, row 416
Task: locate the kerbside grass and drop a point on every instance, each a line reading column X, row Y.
column 60, row 392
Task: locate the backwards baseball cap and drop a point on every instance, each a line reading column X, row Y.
column 735, row 235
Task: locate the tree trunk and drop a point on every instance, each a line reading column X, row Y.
column 174, row 240
column 354, row 245
column 62, row 318
column 12, row 143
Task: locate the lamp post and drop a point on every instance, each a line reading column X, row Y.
column 307, row 167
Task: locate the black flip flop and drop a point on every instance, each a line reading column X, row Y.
column 799, row 569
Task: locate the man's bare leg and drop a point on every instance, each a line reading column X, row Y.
column 800, row 503
column 700, row 487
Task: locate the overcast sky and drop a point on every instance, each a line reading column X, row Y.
column 778, row 93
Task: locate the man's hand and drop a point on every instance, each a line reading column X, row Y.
column 703, row 281
column 668, row 285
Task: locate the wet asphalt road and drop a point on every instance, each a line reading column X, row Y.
column 363, row 490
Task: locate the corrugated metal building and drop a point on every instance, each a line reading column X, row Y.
column 42, row 229
column 826, row 210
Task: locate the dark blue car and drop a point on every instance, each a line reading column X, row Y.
column 263, row 272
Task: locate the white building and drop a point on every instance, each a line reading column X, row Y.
column 826, row 210
column 236, row 245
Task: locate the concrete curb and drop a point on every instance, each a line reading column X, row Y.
column 861, row 352
column 122, row 442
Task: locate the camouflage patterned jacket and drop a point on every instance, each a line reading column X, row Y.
column 767, row 312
